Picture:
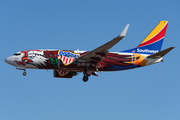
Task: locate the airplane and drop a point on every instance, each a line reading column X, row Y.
column 67, row 63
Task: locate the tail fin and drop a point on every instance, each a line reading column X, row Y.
column 153, row 42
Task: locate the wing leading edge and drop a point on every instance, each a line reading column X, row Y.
column 100, row 52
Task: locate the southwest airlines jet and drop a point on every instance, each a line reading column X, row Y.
column 67, row 63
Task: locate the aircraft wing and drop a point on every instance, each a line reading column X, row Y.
column 100, row 52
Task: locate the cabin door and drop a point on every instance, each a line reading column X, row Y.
column 31, row 55
column 133, row 59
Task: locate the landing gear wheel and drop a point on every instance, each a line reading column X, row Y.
column 24, row 73
column 85, row 78
column 88, row 73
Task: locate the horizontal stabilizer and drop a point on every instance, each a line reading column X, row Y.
column 161, row 53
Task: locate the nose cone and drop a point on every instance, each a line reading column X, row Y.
column 9, row 60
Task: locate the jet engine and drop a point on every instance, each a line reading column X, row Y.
column 64, row 74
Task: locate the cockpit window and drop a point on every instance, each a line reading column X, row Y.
column 16, row 54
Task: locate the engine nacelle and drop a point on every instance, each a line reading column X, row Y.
column 64, row 74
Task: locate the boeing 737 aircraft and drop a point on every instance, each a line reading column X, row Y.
column 66, row 64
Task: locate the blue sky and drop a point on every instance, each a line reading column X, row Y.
column 148, row 93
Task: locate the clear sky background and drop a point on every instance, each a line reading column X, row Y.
column 148, row 93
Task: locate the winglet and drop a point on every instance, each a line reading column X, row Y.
column 123, row 33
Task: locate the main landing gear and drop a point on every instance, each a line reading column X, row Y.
column 87, row 73
column 85, row 78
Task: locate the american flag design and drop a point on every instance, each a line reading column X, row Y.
column 67, row 57
column 62, row 72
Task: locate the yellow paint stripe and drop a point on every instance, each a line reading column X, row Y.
column 155, row 31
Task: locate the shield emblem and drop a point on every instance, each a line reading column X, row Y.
column 62, row 72
column 67, row 57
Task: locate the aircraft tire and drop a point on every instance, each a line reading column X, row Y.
column 24, row 73
column 85, row 78
column 88, row 73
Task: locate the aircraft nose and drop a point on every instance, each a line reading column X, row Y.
column 8, row 60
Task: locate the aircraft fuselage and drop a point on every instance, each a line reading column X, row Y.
column 66, row 60
column 66, row 63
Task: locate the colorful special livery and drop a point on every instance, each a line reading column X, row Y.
column 66, row 64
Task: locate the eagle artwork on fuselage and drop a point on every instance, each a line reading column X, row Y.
column 66, row 64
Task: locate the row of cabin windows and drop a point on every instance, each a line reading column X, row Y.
column 50, row 55
column 57, row 55
column 117, row 57
column 47, row 55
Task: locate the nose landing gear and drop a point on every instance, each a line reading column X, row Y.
column 22, row 68
column 24, row 73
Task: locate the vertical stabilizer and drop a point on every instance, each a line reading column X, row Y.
column 153, row 42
